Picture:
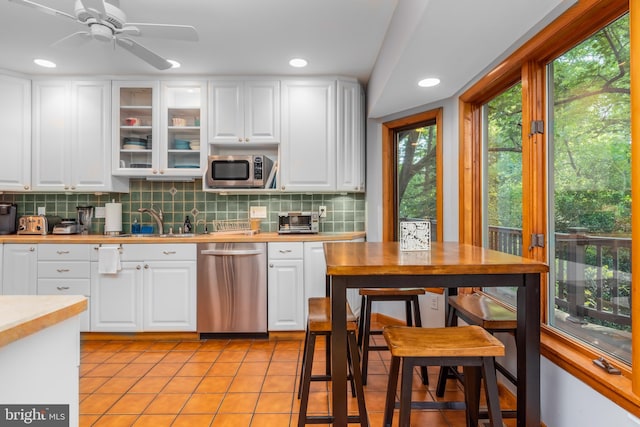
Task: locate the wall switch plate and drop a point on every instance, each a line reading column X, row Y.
column 322, row 211
column 42, row 210
column 257, row 212
column 100, row 212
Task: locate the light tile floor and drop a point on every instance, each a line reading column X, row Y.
column 243, row 382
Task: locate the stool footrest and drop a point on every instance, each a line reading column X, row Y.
column 455, row 405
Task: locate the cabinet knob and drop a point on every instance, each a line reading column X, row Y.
column 239, row 139
column 282, row 188
column 246, row 140
column 138, row 267
column 32, row 249
column 146, row 266
column 26, row 187
column 73, row 187
column 270, row 265
column 66, row 187
column 155, row 171
column 162, row 172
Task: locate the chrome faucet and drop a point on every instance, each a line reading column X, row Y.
column 157, row 215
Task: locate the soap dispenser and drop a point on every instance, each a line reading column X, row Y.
column 135, row 227
column 187, row 225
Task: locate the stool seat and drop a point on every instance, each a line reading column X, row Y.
column 319, row 319
column 483, row 311
column 469, row 346
column 391, row 291
column 461, row 341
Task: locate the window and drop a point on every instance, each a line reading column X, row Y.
column 590, row 191
column 502, row 195
column 412, row 159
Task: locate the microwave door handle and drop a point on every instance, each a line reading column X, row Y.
column 227, row 252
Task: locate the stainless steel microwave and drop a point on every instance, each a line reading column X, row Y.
column 238, row 171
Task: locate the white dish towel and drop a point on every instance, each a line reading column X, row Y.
column 109, row 260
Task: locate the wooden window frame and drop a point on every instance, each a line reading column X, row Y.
column 527, row 64
column 389, row 162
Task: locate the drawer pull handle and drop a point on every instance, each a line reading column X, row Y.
column 62, row 270
column 169, row 252
column 285, row 251
column 62, row 252
column 62, row 288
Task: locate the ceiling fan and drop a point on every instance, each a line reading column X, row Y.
column 108, row 23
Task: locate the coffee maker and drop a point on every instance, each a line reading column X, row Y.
column 8, row 218
column 85, row 214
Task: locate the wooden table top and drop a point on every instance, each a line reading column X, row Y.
column 385, row 258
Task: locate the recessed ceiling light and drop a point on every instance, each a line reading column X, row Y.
column 429, row 82
column 44, row 63
column 174, row 64
column 298, row 62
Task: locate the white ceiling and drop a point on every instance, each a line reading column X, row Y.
column 389, row 44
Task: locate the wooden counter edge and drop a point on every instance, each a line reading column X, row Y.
column 29, row 326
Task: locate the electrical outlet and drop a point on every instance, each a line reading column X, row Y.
column 42, row 210
column 100, row 212
column 434, row 302
column 257, row 212
column 322, row 211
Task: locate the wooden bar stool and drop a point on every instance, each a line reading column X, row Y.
column 319, row 324
column 412, row 310
column 469, row 346
column 480, row 310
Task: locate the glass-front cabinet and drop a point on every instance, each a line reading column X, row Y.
column 157, row 128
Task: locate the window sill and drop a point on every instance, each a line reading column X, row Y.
column 578, row 361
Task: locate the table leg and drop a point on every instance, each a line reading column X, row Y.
column 339, row 350
column 528, row 344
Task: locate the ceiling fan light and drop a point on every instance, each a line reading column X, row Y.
column 44, row 63
column 298, row 62
column 429, row 82
column 174, row 63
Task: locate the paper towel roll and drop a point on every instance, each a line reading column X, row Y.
column 113, row 218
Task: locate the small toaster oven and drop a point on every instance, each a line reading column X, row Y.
column 298, row 222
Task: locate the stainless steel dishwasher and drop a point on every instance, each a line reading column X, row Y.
column 232, row 288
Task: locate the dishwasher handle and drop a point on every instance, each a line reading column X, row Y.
column 231, row 252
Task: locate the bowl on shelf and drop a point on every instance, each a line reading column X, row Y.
column 186, row 166
column 182, row 144
column 130, row 146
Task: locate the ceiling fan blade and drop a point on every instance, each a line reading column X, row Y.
column 167, row 31
column 143, row 53
column 44, row 9
column 95, row 8
column 73, row 40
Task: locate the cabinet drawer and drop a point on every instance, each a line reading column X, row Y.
column 292, row 250
column 56, row 252
column 64, row 287
column 159, row 252
column 54, row 270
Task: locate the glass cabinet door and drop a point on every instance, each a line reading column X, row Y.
column 134, row 118
column 181, row 126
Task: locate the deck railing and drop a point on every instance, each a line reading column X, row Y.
column 593, row 273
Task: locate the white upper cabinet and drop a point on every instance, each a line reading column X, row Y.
column 350, row 145
column 244, row 111
column 71, row 137
column 15, row 144
column 308, row 149
column 158, row 128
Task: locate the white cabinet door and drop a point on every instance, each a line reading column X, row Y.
column 116, row 299
column 20, row 269
column 285, row 295
column 308, row 149
column 182, row 104
column 244, row 111
column 51, row 135
column 169, row 296
column 350, row 159
column 15, row 144
column 71, row 137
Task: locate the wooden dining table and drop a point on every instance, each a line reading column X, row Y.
column 446, row 265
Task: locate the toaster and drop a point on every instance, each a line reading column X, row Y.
column 37, row 224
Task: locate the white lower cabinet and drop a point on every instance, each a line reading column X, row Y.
column 154, row 291
column 286, row 287
column 20, row 269
column 64, row 269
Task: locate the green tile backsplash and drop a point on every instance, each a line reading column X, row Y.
column 346, row 212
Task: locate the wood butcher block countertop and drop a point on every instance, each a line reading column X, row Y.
column 354, row 259
column 198, row 238
column 23, row 315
